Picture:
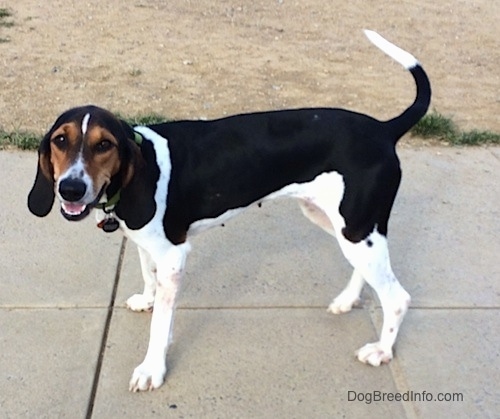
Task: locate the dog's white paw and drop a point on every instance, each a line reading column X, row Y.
column 374, row 354
column 147, row 377
column 140, row 302
column 343, row 303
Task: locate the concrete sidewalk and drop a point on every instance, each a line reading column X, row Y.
column 252, row 335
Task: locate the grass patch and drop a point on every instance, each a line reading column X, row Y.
column 476, row 137
column 432, row 126
column 19, row 139
column 4, row 15
column 437, row 126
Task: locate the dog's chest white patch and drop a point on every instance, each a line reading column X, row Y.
column 152, row 236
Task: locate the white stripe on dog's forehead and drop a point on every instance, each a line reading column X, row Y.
column 85, row 123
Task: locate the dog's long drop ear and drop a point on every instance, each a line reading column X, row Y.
column 137, row 205
column 41, row 196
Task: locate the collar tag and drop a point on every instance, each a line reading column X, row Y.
column 109, row 224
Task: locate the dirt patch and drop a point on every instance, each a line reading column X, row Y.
column 206, row 59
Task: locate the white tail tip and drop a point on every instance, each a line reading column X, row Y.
column 400, row 55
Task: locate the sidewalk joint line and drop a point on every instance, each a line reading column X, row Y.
column 325, row 307
column 105, row 333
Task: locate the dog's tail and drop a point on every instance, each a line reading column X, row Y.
column 402, row 123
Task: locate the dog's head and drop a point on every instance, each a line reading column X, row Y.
column 86, row 150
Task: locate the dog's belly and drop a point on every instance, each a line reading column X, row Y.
column 325, row 190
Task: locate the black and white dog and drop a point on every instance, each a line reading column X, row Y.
column 163, row 183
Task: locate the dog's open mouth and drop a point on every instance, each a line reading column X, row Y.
column 74, row 212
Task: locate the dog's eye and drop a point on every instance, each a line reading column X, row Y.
column 60, row 142
column 103, row 146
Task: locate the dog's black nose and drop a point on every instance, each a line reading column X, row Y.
column 72, row 190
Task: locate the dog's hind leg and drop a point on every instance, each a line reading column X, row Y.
column 350, row 295
column 370, row 257
column 144, row 301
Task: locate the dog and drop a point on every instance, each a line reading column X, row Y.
column 163, row 183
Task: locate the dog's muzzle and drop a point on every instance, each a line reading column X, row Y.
column 73, row 191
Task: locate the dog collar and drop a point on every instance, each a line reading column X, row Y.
column 108, row 206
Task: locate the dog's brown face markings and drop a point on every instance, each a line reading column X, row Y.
column 63, row 148
column 101, row 155
column 97, row 148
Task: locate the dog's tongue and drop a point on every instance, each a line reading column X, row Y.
column 73, row 209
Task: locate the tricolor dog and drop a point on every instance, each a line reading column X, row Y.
column 163, row 183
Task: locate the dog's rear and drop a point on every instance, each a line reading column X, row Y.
column 370, row 257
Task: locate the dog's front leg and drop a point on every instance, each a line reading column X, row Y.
column 145, row 301
column 150, row 374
